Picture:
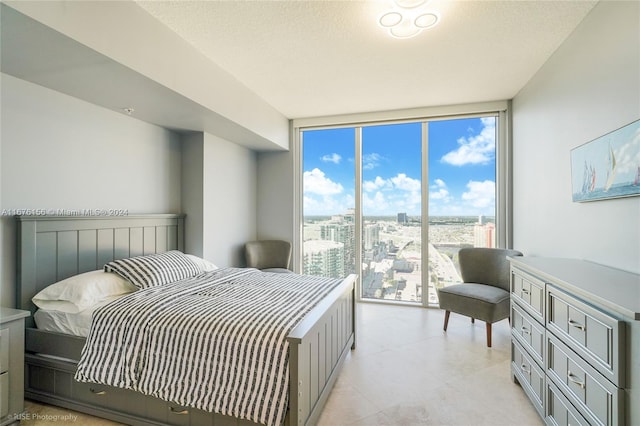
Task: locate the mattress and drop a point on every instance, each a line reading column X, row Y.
column 77, row 324
column 216, row 341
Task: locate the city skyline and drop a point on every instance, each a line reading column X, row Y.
column 392, row 255
column 461, row 169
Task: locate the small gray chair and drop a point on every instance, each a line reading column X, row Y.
column 484, row 292
column 268, row 255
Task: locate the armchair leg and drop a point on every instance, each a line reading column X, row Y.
column 446, row 319
column 488, row 334
column 473, row 320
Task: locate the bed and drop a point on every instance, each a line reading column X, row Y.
column 51, row 248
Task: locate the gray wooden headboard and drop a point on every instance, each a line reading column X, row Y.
column 51, row 248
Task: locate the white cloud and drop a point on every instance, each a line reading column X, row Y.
column 332, row 158
column 399, row 182
column 311, row 205
column 402, row 181
column 477, row 149
column 439, row 191
column 374, row 205
column 480, row 194
column 315, row 182
column 438, row 183
column 327, row 204
column 371, row 161
column 377, row 183
column 397, row 194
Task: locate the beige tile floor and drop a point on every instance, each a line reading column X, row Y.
column 405, row 371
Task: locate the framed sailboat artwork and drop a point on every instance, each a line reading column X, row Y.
column 607, row 167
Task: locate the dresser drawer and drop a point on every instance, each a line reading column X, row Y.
column 592, row 333
column 4, row 350
column 529, row 333
column 529, row 374
column 529, row 292
column 600, row 401
column 560, row 412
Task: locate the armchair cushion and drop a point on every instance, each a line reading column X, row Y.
column 484, row 302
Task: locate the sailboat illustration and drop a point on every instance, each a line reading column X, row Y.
column 611, row 172
column 589, row 178
column 585, row 178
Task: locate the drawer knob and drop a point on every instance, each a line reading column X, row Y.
column 525, row 291
column 577, row 325
column 97, row 392
column 525, row 330
column 178, row 411
column 524, row 368
column 574, row 379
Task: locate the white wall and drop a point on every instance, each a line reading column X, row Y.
column 589, row 87
column 193, row 191
column 218, row 197
column 62, row 153
column 275, row 196
column 229, row 203
column 59, row 152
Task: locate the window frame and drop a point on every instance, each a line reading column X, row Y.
column 504, row 184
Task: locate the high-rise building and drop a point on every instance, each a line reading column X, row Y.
column 484, row 235
column 402, row 218
column 344, row 233
column 324, row 258
column 350, row 216
column 371, row 236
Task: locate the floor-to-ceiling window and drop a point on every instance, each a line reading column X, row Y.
column 395, row 201
column 462, row 194
column 329, row 244
column 392, row 212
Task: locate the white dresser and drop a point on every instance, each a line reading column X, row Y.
column 11, row 364
column 575, row 346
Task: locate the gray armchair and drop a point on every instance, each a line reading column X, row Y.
column 268, row 255
column 484, row 292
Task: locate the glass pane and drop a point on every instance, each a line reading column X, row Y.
column 391, row 211
column 462, row 194
column 329, row 202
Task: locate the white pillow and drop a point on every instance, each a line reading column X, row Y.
column 203, row 264
column 79, row 292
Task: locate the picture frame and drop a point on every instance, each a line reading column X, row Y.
column 607, row 167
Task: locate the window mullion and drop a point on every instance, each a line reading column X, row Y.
column 424, row 272
column 358, row 207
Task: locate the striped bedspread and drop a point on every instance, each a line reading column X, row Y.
column 216, row 342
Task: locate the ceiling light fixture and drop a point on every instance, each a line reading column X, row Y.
column 408, row 18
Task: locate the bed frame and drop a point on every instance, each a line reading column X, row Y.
column 51, row 248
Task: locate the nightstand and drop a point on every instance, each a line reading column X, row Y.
column 11, row 365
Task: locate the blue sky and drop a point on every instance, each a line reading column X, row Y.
column 461, row 169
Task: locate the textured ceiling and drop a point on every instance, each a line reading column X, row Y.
column 316, row 58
